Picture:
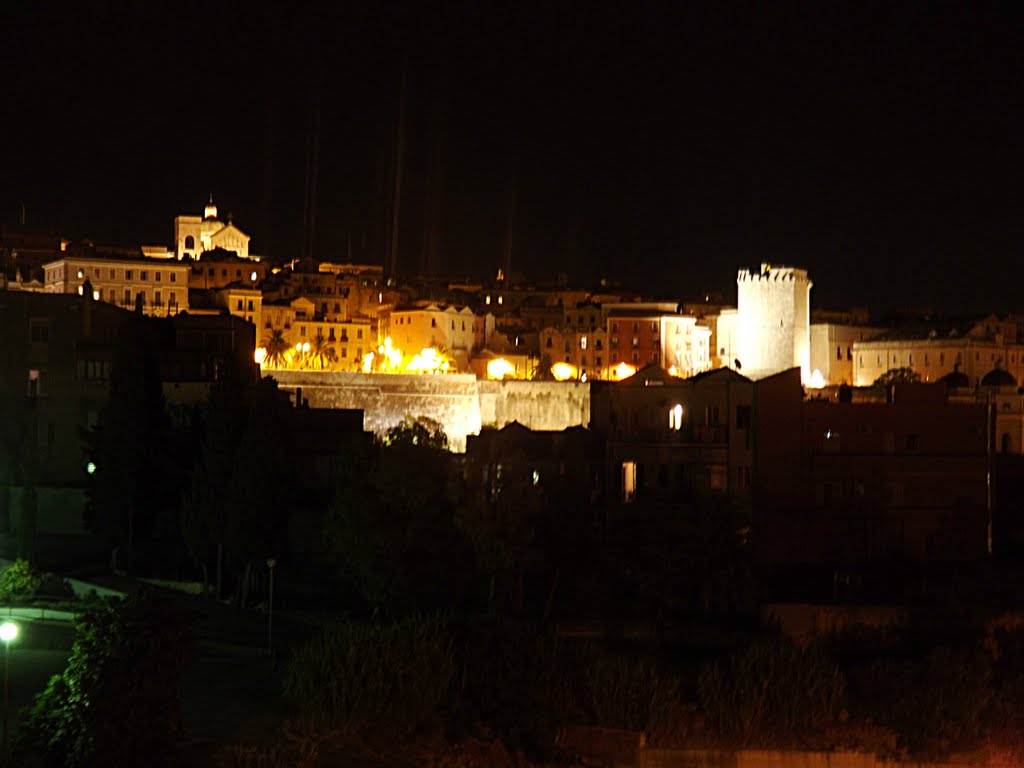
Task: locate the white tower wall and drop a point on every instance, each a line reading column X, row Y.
column 774, row 320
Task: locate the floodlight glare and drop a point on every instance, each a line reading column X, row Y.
column 8, row 631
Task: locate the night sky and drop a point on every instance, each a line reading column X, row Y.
column 878, row 146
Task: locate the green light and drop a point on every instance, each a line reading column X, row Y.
column 8, row 631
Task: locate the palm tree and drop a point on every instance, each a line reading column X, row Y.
column 276, row 346
column 321, row 352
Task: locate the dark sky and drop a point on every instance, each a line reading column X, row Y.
column 877, row 145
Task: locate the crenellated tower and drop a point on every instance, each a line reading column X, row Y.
column 774, row 321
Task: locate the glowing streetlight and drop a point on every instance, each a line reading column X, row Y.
column 8, row 633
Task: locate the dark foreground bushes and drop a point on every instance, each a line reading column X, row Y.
column 771, row 691
column 394, row 675
column 515, row 679
column 118, row 702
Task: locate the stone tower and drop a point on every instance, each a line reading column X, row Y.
column 774, row 323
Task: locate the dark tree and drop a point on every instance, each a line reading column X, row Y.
column 391, row 525
column 134, row 483
column 118, row 702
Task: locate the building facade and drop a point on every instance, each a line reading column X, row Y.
column 972, row 349
column 159, row 285
column 194, row 235
column 670, row 438
column 832, row 360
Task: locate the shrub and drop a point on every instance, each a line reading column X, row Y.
column 392, row 676
column 297, row 747
column 771, row 690
column 944, row 701
column 517, row 679
column 627, row 693
column 19, row 580
column 118, row 702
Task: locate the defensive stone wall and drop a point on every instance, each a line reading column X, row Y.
column 459, row 402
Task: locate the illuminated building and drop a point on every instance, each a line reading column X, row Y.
column 585, row 350
column 220, row 268
column 300, row 323
column 656, row 334
column 194, row 235
column 832, row 350
column 242, row 301
column 161, row 285
column 448, row 329
column 935, row 350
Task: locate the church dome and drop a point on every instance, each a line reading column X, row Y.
column 955, row 380
column 210, row 212
column 997, row 377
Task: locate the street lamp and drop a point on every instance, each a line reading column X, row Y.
column 8, row 632
column 271, row 563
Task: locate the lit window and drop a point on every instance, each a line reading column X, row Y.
column 675, row 417
column 501, row 299
column 628, row 481
column 583, row 342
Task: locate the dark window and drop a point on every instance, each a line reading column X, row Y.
column 742, row 417
column 239, row 305
column 190, row 242
column 913, row 442
column 40, row 333
column 711, row 415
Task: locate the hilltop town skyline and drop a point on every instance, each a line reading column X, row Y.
column 875, row 146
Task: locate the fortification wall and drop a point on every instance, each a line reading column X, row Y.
column 459, row 402
column 541, row 405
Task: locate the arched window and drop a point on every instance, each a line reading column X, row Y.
column 190, row 242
